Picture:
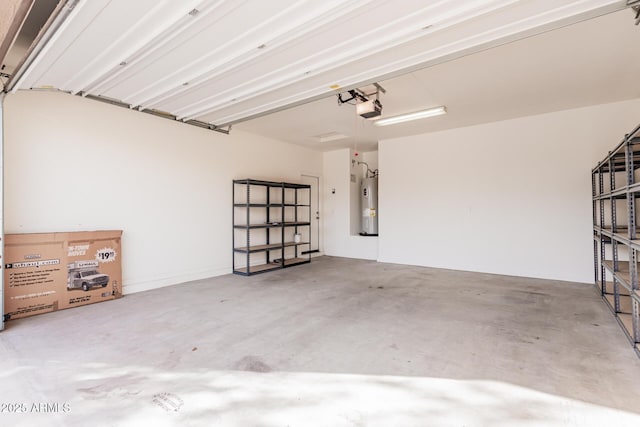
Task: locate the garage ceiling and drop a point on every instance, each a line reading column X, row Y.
column 223, row 62
column 588, row 63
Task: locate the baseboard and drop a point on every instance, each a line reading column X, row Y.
column 131, row 287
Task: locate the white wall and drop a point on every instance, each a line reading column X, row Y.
column 75, row 164
column 511, row 197
column 371, row 158
column 338, row 237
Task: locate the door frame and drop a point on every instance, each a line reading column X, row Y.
column 312, row 175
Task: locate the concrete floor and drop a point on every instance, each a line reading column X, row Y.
column 338, row 342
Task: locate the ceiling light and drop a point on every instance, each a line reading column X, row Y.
column 423, row 114
column 331, row 136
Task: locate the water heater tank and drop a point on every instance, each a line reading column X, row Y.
column 369, row 204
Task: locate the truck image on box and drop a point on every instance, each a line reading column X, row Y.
column 85, row 275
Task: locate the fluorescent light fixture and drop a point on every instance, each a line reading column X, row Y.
column 423, row 114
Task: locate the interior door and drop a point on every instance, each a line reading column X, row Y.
column 314, row 182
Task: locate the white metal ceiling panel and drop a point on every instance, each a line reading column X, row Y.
column 223, row 61
column 37, row 74
column 348, row 42
column 228, row 56
column 190, row 24
column 219, row 38
column 451, row 42
column 97, row 36
column 132, row 38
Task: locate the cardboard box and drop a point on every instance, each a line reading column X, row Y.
column 46, row 272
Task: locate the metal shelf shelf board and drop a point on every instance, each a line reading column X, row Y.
column 263, row 268
column 620, row 193
column 272, row 246
column 625, row 303
column 250, row 181
column 623, row 275
column 254, row 269
column 272, row 225
column 271, row 205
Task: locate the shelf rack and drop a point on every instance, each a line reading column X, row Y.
column 267, row 216
column 615, row 187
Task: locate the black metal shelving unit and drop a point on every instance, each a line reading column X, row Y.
column 267, row 216
column 615, row 185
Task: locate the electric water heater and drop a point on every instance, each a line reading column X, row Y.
column 369, row 205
